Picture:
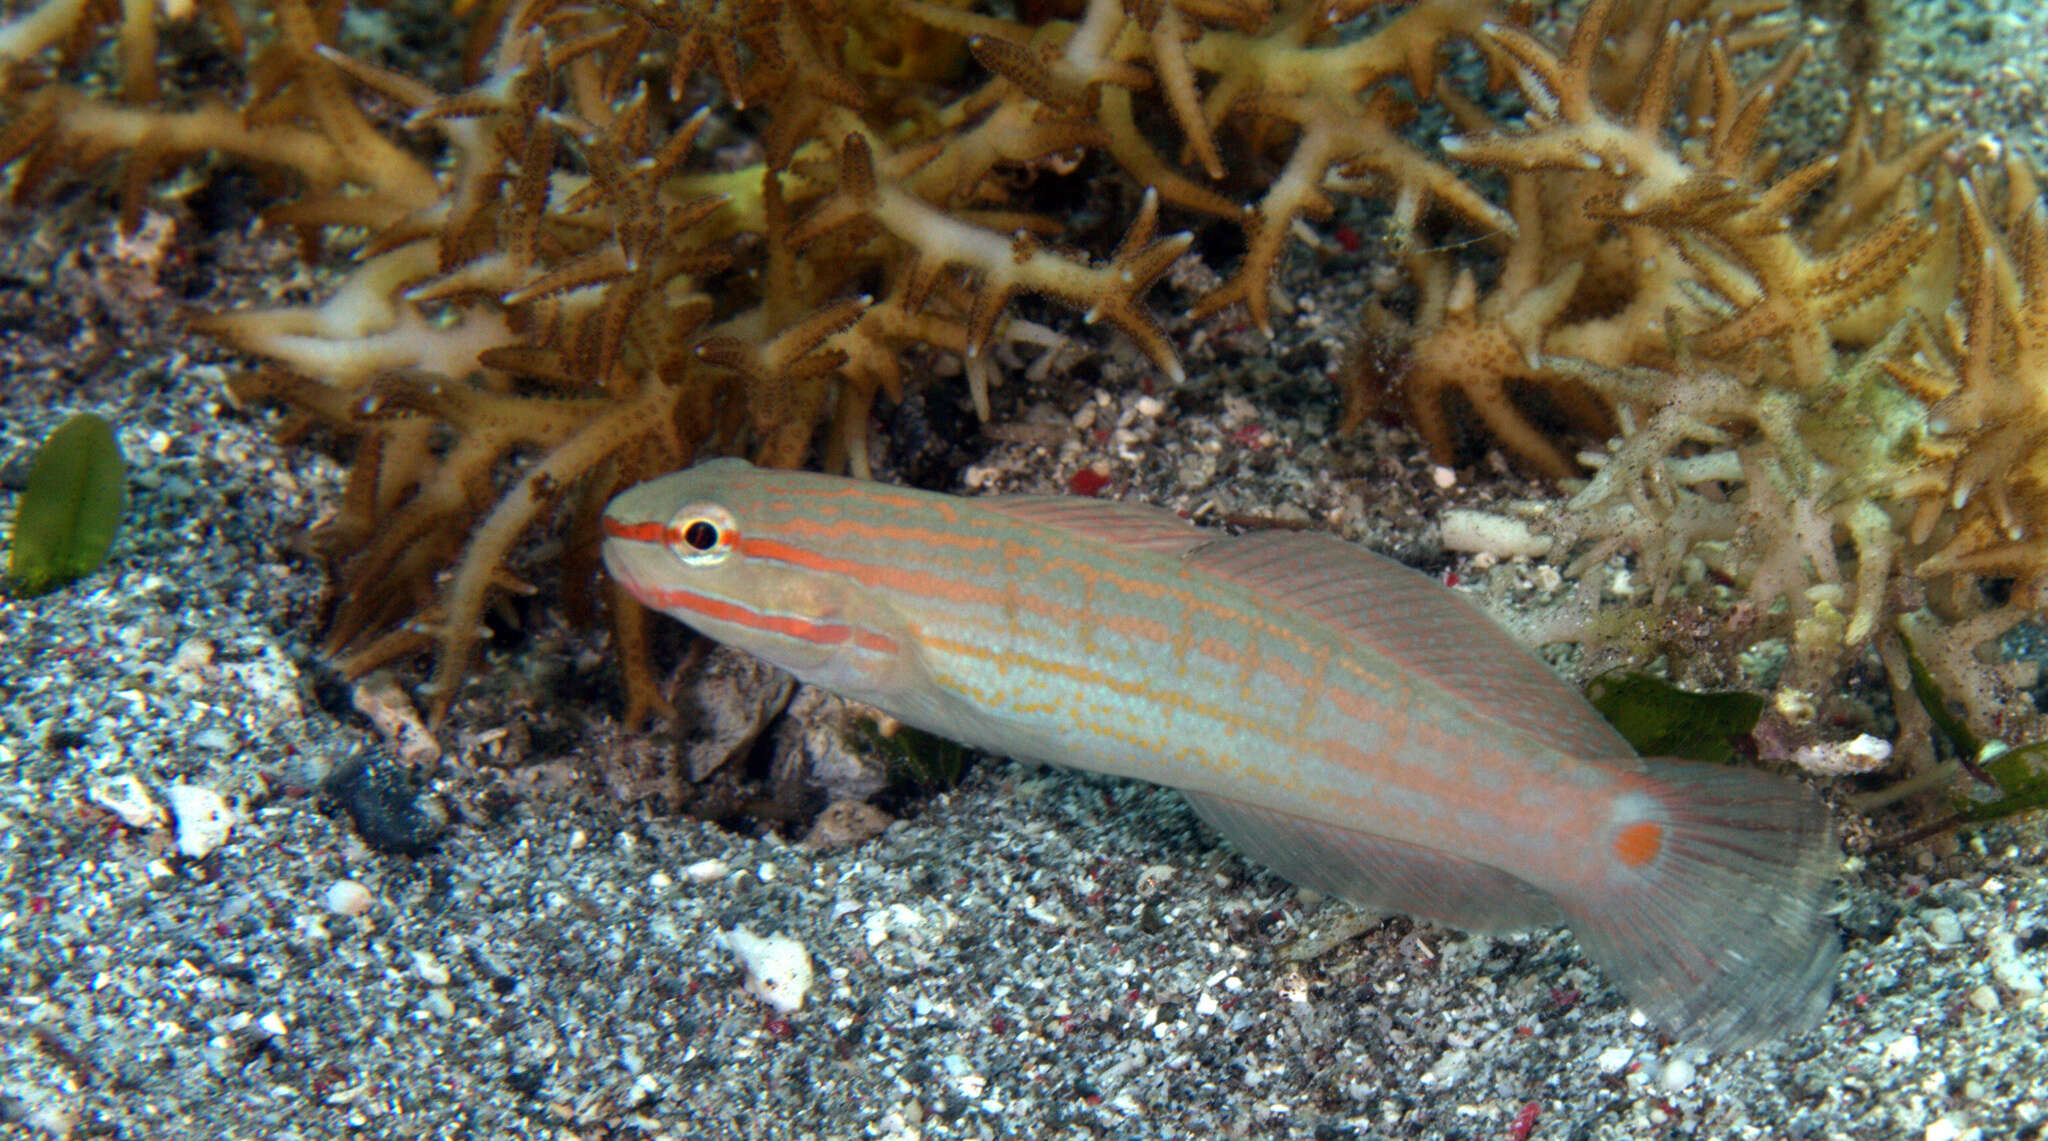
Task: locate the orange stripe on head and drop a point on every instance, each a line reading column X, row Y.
column 877, row 643
column 1639, row 843
column 801, row 629
column 796, row 556
column 796, row 629
column 636, row 532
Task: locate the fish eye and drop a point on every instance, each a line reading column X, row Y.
column 703, row 535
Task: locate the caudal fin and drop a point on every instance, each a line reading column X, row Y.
column 1712, row 917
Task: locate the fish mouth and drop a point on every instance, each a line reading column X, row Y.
column 634, row 531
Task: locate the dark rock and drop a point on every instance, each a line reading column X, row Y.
column 388, row 810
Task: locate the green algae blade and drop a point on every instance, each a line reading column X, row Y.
column 1662, row 720
column 2022, row 778
column 65, row 522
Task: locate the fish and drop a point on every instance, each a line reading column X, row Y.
column 1344, row 720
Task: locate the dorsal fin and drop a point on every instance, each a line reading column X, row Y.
column 1413, row 619
column 1109, row 520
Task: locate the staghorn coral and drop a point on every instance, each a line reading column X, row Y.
column 1984, row 496
column 1628, row 211
column 556, row 292
column 543, row 319
column 1787, row 417
column 565, row 277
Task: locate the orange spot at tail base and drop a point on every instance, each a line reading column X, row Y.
column 1639, row 843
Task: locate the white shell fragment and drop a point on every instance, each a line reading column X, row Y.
column 2010, row 968
column 1480, row 532
column 707, row 871
column 778, row 968
column 129, row 799
column 1864, row 753
column 204, row 819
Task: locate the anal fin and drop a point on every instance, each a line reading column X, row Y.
column 1377, row 872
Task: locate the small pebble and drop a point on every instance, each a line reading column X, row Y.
column 347, row 897
column 193, row 656
column 217, row 740
column 706, row 871
column 1904, row 1048
column 1677, row 1073
column 1614, row 1059
column 2011, row 968
column 1942, row 926
column 846, row 822
column 429, row 969
column 778, row 967
column 204, row 819
column 127, row 797
column 893, row 921
column 1155, row 876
